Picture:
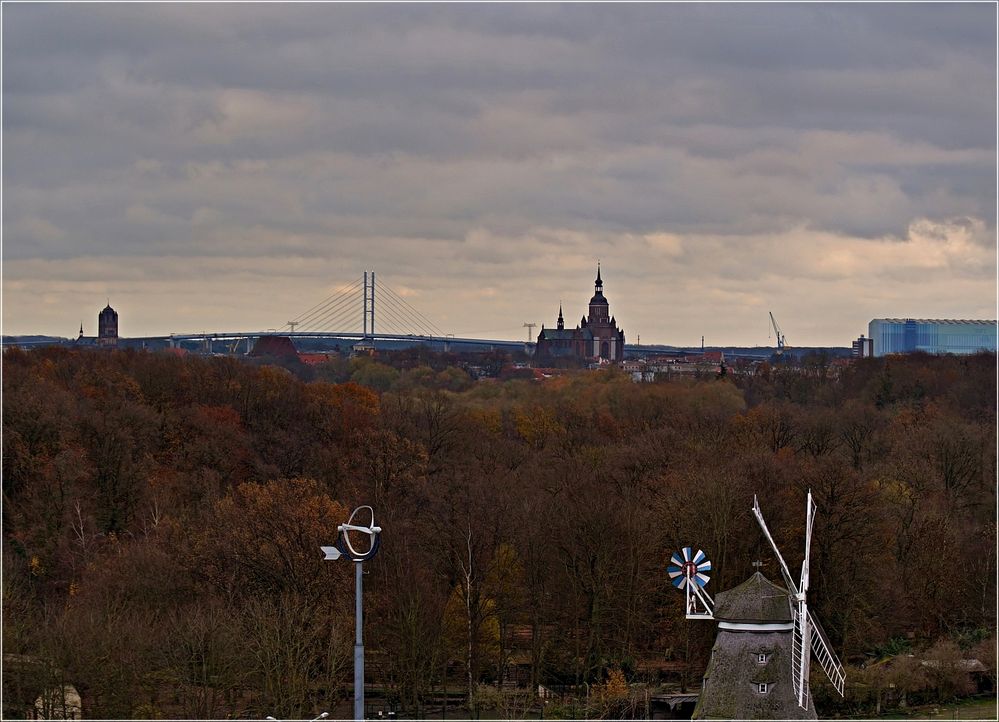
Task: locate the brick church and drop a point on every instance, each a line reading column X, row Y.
column 596, row 337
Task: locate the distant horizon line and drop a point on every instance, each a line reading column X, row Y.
column 43, row 338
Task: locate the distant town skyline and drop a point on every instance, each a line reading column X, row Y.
column 226, row 167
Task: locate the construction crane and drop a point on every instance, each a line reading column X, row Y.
column 530, row 331
column 780, row 336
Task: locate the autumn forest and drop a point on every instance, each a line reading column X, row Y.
column 162, row 518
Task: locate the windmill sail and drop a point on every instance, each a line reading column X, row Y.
column 826, row 657
column 791, row 586
column 799, row 659
column 808, row 635
column 802, row 633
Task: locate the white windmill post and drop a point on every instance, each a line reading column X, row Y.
column 345, row 549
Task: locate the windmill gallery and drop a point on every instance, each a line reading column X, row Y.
column 766, row 637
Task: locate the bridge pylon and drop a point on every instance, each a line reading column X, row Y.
column 368, row 313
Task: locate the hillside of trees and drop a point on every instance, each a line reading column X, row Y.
column 162, row 518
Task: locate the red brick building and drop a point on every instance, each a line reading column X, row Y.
column 596, row 337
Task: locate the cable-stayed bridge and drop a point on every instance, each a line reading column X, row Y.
column 359, row 312
column 338, row 312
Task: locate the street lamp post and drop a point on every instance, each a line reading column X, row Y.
column 344, row 548
column 358, row 642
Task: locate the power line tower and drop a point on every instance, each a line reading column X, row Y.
column 292, row 324
column 530, row 331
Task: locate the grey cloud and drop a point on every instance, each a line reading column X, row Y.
column 468, row 137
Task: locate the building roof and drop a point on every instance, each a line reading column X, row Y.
column 931, row 320
column 274, row 346
column 755, row 600
column 314, row 359
column 557, row 334
column 565, row 334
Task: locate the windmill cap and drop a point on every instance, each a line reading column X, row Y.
column 755, row 600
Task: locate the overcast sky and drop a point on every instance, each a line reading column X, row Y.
column 226, row 167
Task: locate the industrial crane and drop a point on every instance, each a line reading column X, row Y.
column 780, row 336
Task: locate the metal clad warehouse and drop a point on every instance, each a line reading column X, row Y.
column 904, row 335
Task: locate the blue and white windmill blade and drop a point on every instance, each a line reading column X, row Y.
column 791, row 586
column 676, row 577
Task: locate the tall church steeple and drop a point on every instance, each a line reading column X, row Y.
column 598, row 304
column 596, row 337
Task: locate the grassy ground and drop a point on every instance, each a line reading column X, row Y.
column 973, row 709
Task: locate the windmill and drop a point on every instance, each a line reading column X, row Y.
column 688, row 572
column 808, row 636
column 766, row 636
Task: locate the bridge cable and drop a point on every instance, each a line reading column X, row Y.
column 324, row 303
column 400, row 326
column 415, row 317
column 406, row 321
column 430, row 323
column 345, row 304
column 410, row 322
column 342, row 317
column 413, row 311
column 328, row 307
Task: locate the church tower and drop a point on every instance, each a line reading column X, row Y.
column 599, row 308
column 596, row 338
column 107, row 327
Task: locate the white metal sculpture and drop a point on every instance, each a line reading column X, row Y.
column 808, row 633
column 344, row 548
column 688, row 572
column 343, row 545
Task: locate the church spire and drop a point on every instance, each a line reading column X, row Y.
column 561, row 321
column 598, row 283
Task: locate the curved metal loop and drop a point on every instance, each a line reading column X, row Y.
column 371, row 529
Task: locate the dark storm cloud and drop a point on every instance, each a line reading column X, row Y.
column 422, row 138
